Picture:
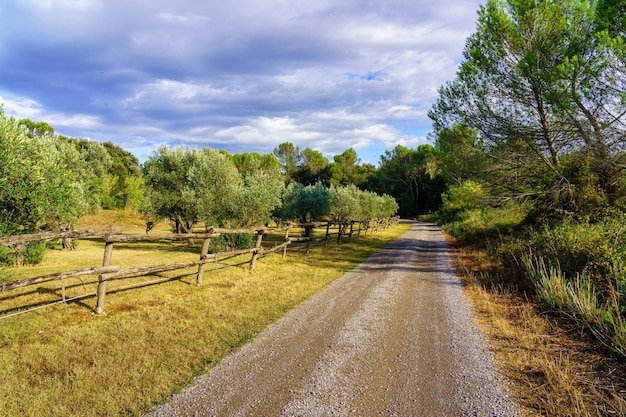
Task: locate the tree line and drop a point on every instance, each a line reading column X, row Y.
column 48, row 181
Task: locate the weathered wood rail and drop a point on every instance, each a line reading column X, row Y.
column 111, row 236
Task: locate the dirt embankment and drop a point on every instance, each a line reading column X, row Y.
column 394, row 337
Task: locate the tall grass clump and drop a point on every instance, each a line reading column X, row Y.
column 578, row 297
column 576, row 266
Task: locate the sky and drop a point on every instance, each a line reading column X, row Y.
column 238, row 75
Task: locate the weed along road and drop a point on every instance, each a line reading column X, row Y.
column 393, row 337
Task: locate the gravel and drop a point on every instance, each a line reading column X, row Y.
column 394, row 337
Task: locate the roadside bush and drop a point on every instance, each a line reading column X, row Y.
column 604, row 316
column 34, row 252
column 486, row 227
column 596, row 249
column 6, row 257
column 30, row 254
column 230, row 241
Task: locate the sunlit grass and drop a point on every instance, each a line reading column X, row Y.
column 554, row 370
column 66, row 361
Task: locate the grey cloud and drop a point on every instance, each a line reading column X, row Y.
column 242, row 74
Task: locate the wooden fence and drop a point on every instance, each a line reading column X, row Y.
column 110, row 236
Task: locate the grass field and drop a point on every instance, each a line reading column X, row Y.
column 66, row 361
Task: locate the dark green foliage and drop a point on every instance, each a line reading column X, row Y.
column 412, row 177
column 305, row 204
column 34, row 252
column 121, row 183
column 229, row 241
column 289, row 157
column 313, row 168
column 530, row 139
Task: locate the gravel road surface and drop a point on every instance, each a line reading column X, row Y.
column 394, row 337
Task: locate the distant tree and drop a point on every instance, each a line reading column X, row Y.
column 249, row 162
column 92, row 166
column 306, row 204
column 374, row 206
column 37, row 129
column 342, row 169
column 364, row 176
column 312, row 168
column 124, row 165
column 408, row 172
column 290, row 158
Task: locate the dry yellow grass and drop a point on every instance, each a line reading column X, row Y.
column 555, row 369
column 65, row 361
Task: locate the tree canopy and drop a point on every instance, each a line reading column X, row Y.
column 203, row 185
column 543, row 88
column 39, row 189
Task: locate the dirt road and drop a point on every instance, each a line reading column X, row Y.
column 394, row 337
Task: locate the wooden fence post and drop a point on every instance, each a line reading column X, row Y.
column 286, row 240
column 203, row 255
column 351, row 230
column 340, row 231
column 327, row 234
column 257, row 247
column 308, row 233
column 102, row 290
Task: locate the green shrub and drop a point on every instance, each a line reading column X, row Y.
column 6, row 257
column 596, row 249
column 230, row 241
column 34, row 252
column 31, row 254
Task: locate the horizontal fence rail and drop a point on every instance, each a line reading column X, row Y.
column 112, row 235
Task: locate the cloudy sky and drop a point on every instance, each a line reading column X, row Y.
column 239, row 75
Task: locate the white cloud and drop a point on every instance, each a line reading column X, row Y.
column 325, row 74
column 24, row 108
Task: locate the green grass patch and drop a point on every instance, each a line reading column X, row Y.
column 152, row 341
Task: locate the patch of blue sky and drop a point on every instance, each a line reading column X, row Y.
column 371, row 154
column 368, row 76
column 374, row 76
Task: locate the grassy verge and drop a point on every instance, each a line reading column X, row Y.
column 64, row 361
column 556, row 369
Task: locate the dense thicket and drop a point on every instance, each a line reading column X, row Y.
column 544, row 90
column 530, row 137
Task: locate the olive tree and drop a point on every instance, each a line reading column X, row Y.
column 203, row 185
column 306, row 204
column 38, row 188
column 345, row 204
column 257, row 200
column 168, row 189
